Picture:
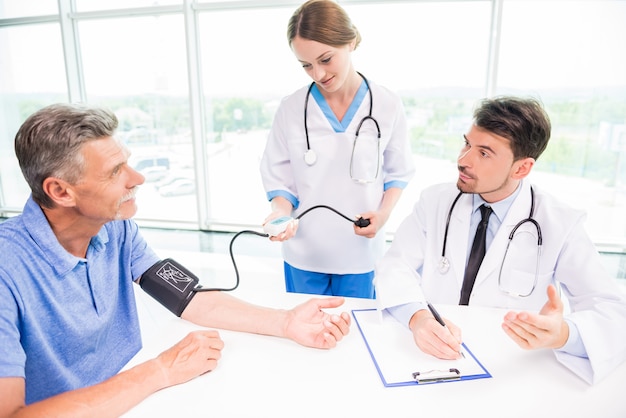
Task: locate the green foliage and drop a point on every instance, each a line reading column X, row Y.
column 169, row 115
column 576, row 147
column 238, row 114
column 29, row 105
column 436, row 124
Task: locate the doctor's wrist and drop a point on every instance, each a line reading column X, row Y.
column 417, row 318
column 563, row 336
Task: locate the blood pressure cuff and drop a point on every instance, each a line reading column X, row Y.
column 171, row 284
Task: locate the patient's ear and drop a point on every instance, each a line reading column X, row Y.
column 522, row 168
column 59, row 191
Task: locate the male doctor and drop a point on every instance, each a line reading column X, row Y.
column 549, row 256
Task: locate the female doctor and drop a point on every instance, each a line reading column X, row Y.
column 340, row 142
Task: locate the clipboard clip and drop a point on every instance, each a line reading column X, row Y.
column 434, row 376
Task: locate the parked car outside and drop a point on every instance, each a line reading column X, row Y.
column 169, row 179
column 178, row 187
column 144, row 162
column 154, row 173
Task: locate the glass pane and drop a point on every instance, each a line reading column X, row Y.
column 243, row 81
column 423, row 45
column 95, row 5
column 143, row 79
column 579, row 71
column 20, row 8
column 435, row 56
column 401, row 49
column 32, row 75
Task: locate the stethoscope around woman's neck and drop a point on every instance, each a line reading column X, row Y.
column 444, row 263
column 310, row 157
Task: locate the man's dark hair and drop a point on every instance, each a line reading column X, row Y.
column 523, row 121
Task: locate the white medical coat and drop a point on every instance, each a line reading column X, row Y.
column 326, row 242
column 409, row 271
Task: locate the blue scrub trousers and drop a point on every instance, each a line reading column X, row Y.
column 350, row 285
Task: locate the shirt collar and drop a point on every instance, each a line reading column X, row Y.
column 39, row 229
column 500, row 208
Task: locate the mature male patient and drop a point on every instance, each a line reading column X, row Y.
column 68, row 320
column 492, row 194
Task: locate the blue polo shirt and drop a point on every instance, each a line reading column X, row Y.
column 67, row 322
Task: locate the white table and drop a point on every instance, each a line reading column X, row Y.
column 260, row 376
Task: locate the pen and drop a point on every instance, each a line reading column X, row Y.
column 440, row 320
column 436, row 314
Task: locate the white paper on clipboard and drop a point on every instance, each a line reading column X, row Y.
column 400, row 362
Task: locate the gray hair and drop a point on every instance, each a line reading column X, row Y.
column 48, row 143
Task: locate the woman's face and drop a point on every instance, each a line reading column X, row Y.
column 327, row 65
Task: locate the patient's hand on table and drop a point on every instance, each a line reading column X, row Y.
column 434, row 339
column 547, row 329
column 309, row 325
column 191, row 357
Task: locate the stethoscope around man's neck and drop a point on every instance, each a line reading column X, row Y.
column 310, row 157
column 444, row 263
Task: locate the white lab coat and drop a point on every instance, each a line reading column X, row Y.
column 326, row 242
column 409, row 271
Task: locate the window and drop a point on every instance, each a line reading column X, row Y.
column 243, row 81
column 32, row 75
column 19, row 8
column 142, row 76
column 435, row 55
column 196, row 97
column 98, row 5
column 579, row 72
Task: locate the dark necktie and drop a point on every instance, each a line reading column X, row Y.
column 476, row 255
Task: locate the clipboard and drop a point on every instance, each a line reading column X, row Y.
column 400, row 362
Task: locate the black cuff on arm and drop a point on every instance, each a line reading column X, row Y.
column 171, row 284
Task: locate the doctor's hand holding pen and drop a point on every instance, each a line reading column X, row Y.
column 434, row 335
